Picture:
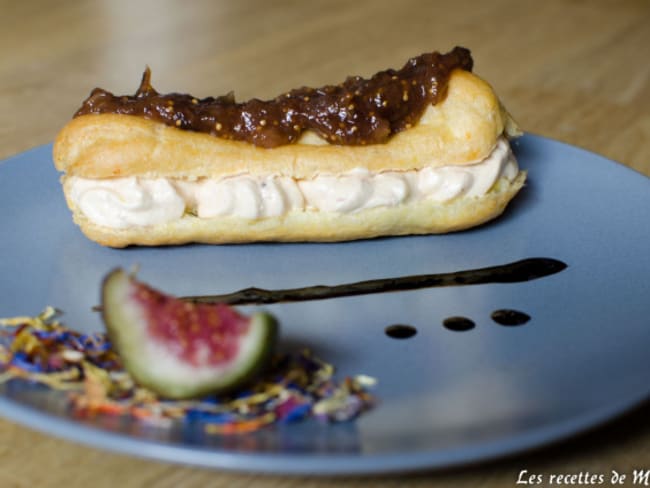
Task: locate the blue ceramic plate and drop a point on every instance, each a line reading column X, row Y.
column 445, row 398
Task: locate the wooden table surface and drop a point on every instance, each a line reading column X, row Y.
column 577, row 71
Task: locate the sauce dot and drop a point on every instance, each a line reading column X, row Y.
column 458, row 324
column 400, row 331
column 510, row 317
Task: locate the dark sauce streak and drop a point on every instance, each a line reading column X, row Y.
column 356, row 112
column 458, row 324
column 400, row 331
column 510, row 317
column 519, row 271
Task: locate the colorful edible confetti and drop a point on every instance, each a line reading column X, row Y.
column 41, row 349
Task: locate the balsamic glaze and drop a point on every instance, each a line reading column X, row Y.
column 400, row 331
column 510, row 317
column 518, row 271
column 458, row 324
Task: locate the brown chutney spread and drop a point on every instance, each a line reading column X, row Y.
column 358, row 111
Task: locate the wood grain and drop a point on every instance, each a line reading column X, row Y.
column 576, row 71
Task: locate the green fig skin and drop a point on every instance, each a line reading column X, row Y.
column 158, row 365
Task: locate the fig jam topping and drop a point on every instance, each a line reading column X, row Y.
column 201, row 334
column 356, row 112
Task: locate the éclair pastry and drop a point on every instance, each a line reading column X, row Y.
column 424, row 149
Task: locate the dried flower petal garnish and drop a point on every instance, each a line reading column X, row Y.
column 297, row 386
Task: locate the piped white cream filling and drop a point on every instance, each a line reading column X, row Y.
column 132, row 201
